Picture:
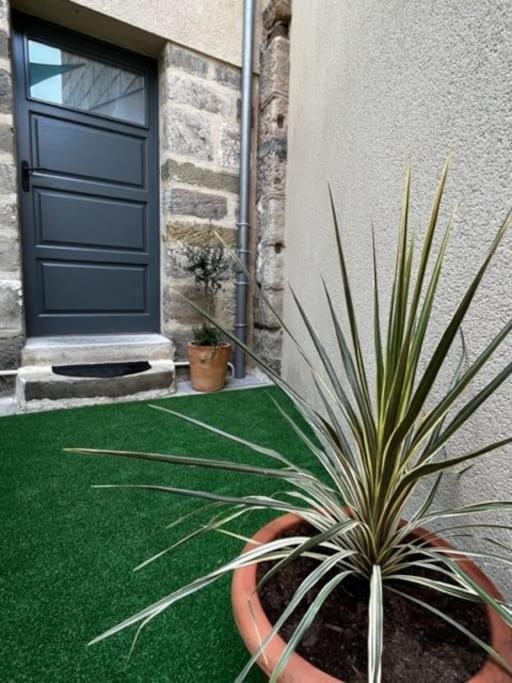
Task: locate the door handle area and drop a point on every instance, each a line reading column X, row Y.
column 26, row 171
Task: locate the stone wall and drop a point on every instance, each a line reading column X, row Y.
column 271, row 176
column 11, row 318
column 199, row 115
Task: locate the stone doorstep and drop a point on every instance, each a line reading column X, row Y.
column 77, row 350
column 39, row 383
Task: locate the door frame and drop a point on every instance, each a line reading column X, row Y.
column 24, row 27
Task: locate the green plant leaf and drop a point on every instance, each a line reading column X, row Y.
column 375, row 627
column 307, row 584
column 191, row 461
column 257, row 501
column 373, row 445
column 305, row 623
column 259, row 554
column 444, row 345
column 349, row 303
column 330, row 533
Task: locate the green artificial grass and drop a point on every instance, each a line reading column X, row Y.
column 68, row 550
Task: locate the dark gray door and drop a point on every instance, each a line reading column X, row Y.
column 86, row 123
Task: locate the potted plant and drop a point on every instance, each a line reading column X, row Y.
column 346, row 556
column 208, row 355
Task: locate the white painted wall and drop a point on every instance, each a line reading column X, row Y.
column 373, row 84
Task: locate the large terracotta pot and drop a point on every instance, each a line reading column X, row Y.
column 208, row 366
column 254, row 625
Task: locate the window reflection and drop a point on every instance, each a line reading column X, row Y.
column 71, row 80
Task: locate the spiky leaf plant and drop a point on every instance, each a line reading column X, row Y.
column 375, row 447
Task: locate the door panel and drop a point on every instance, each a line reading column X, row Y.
column 87, row 129
column 86, row 151
column 92, row 287
column 69, row 218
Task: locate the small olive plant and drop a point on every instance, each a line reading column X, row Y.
column 206, row 335
column 209, row 266
column 376, row 445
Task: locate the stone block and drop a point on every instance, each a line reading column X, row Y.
column 224, row 305
column 6, row 138
column 186, row 172
column 186, row 60
column 271, row 170
column 176, row 263
column 39, row 384
column 273, row 122
column 8, row 214
column 263, row 315
column 227, row 75
column 275, row 68
column 198, row 94
column 10, row 352
column 9, row 253
column 268, row 346
column 181, row 335
column 175, row 307
column 188, row 133
column 10, row 306
column 201, row 235
column 229, row 147
column 7, row 385
column 277, row 11
column 199, row 204
column 4, row 14
column 7, row 177
column 5, row 92
column 4, row 43
column 270, row 266
column 96, row 348
column 279, row 29
column 271, row 219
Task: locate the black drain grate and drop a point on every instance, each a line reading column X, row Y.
column 101, row 369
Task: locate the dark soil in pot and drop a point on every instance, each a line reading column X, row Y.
column 419, row 647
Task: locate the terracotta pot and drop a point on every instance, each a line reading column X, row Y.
column 208, row 366
column 256, row 626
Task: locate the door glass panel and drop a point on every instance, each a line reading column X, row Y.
column 73, row 80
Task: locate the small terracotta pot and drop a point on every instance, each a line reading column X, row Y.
column 208, row 366
column 254, row 625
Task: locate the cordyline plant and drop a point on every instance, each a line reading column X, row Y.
column 375, row 447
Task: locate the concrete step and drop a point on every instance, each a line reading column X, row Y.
column 38, row 383
column 111, row 348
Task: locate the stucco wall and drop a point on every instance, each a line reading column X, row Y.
column 213, row 27
column 374, row 84
column 210, row 26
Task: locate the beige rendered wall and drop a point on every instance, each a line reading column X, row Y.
column 210, row 26
column 213, row 27
column 373, row 85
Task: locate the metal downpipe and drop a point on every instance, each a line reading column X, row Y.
column 243, row 224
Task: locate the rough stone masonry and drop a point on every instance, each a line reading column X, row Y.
column 11, row 315
column 200, row 149
column 199, row 157
column 271, row 177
